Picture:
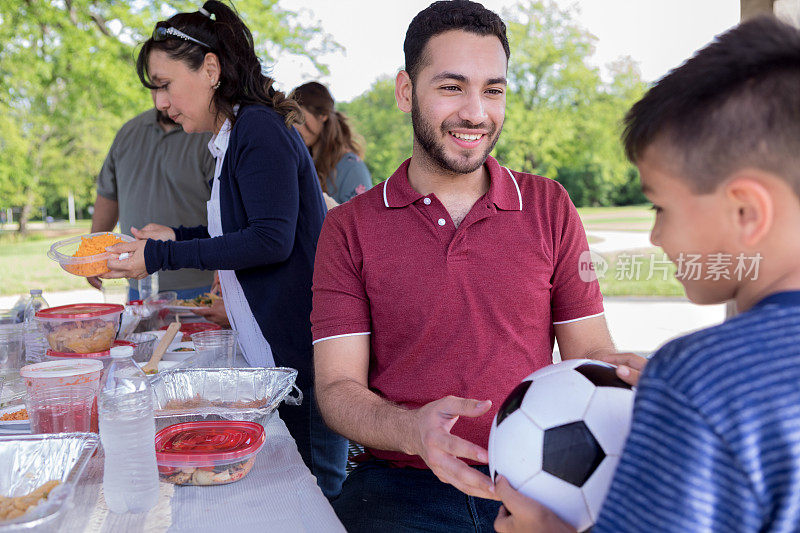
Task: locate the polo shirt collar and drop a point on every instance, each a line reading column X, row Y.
column 503, row 192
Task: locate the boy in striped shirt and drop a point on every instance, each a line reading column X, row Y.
column 715, row 439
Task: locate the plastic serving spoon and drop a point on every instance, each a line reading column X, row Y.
column 152, row 365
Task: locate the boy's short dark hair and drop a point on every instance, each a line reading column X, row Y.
column 734, row 104
column 447, row 15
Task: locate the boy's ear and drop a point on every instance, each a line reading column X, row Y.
column 402, row 91
column 753, row 204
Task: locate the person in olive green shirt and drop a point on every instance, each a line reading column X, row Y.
column 155, row 172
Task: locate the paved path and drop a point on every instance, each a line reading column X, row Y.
column 617, row 241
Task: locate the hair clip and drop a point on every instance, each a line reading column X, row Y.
column 203, row 11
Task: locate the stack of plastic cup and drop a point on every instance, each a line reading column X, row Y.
column 215, row 348
column 61, row 409
column 78, row 373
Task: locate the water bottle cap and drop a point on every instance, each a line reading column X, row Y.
column 36, row 292
column 121, row 351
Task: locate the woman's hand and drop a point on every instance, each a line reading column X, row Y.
column 154, row 231
column 130, row 266
column 216, row 288
column 330, row 203
column 216, row 313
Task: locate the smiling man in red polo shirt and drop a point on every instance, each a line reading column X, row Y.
column 437, row 291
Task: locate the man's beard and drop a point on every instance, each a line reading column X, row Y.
column 164, row 118
column 426, row 136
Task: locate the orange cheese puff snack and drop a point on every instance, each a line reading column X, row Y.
column 92, row 246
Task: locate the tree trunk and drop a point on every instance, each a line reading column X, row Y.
column 25, row 214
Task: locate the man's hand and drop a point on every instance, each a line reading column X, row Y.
column 433, row 442
column 154, row 231
column 95, row 282
column 216, row 313
column 629, row 365
column 133, row 267
column 520, row 514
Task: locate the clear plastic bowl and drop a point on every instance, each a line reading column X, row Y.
column 62, row 252
column 144, row 344
column 208, row 453
column 80, row 328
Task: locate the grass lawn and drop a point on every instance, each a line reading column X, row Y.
column 24, row 263
column 640, row 273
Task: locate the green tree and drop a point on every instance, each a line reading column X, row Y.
column 67, row 83
column 562, row 118
column 386, row 129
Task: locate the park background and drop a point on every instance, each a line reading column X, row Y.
column 68, row 83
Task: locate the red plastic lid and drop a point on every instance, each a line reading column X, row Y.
column 92, row 355
column 136, row 302
column 214, row 441
column 80, row 311
column 195, row 327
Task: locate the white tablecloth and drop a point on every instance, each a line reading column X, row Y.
column 278, row 495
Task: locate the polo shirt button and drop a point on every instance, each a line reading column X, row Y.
column 442, row 222
column 427, row 201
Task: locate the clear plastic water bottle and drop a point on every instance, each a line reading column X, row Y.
column 127, row 432
column 148, row 286
column 35, row 341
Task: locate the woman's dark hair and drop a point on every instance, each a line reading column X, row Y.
column 336, row 137
column 447, row 15
column 241, row 79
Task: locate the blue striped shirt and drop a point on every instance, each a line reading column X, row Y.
column 715, row 440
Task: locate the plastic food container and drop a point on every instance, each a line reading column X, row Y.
column 29, row 461
column 80, row 328
column 60, row 373
column 63, row 252
column 191, row 328
column 207, row 453
column 143, row 346
column 104, row 357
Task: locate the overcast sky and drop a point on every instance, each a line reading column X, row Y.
column 658, row 34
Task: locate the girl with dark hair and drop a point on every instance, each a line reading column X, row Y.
column 265, row 212
column 337, row 155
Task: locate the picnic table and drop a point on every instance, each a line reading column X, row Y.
column 279, row 494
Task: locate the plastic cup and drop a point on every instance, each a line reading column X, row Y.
column 215, row 349
column 61, row 409
column 12, row 348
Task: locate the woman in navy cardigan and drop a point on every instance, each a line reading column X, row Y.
column 265, row 213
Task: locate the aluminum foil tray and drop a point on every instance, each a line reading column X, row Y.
column 229, row 393
column 29, row 461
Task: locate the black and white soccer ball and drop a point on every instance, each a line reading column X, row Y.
column 558, row 436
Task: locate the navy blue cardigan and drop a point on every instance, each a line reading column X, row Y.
column 272, row 211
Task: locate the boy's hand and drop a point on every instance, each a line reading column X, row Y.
column 520, row 514
column 433, row 442
column 629, row 365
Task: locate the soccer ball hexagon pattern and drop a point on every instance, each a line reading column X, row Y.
column 558, row 436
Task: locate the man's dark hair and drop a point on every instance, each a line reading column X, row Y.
column 447, row 15
column 734, row 104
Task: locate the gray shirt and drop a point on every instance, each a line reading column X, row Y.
column 160, row 177
column 349, row 178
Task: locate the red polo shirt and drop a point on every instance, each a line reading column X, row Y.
column 467, row 311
